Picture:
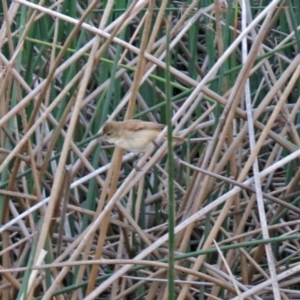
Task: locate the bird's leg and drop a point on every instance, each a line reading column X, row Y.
column 155, row 143
column 141, row 154
column 138, row 169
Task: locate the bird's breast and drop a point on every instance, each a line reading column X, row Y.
column 137, row 141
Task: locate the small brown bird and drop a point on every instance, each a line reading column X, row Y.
column 133, row 135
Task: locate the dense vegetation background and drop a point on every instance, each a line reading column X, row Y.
column 218, row 217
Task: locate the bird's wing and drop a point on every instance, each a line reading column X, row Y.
column 136, row 125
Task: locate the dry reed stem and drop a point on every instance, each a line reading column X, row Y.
column 220, row 184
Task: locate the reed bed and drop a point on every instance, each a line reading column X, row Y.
column 217, row 217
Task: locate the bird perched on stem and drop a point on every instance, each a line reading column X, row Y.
column 134, row 135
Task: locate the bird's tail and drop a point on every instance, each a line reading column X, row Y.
column 178, row 139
